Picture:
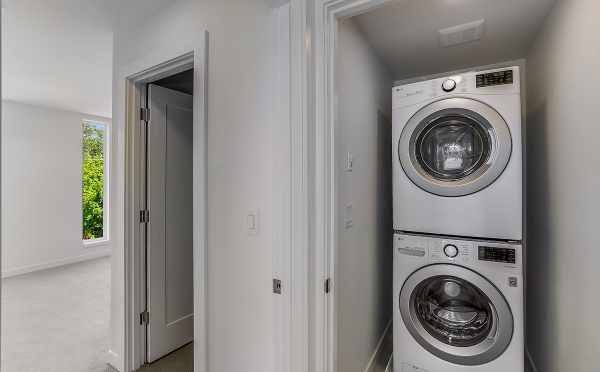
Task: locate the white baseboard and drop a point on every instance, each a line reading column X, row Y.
column 390, row 365
column 530, row 360
column 112, row 361
column 103, row 252
column 380, row 348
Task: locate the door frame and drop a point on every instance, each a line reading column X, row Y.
column 313, row 30
column 134, row 353
column 313, row 36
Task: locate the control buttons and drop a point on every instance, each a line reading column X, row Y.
column 448, row 85
column 450, row 250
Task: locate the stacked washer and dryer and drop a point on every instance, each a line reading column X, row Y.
column 458, row 257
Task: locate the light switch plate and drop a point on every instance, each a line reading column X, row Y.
column 349, row 162
column 252, row 222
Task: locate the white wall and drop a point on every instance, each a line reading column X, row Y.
column 563, row 201
column 365, row 253
column 41, row 188
column 240, row 166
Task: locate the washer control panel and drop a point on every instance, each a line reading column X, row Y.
column 451, row 250
column 497, row 254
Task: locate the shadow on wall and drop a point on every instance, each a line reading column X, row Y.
column 541, row 261
column 385, row 211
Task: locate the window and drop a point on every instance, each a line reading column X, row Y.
column 94, row 181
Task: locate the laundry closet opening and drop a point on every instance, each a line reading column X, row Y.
column 429, row 127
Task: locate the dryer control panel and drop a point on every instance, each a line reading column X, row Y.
column 496, row 81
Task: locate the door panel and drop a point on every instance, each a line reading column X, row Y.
column 456, row 314
column 455, row 147
column 170, row 235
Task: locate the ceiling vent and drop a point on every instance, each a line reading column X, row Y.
column 461, row 34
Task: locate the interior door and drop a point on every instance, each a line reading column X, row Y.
column 170, row 237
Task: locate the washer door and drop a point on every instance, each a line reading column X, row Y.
column 456, row 314
column 455, row 147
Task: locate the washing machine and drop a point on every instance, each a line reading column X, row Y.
column 458, row 305
column 457, row 155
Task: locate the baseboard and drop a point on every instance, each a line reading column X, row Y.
column 530, row 360
column 390, row 365
column 103, row 252
column 112, row 361
column 380, row 350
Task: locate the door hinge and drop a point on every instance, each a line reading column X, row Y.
column 144, row 318
column 327, row 285
column 144, row 216
column 276, row 286
column 145, row 114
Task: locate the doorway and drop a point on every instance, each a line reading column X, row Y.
column 165, row 208
column 168, row 216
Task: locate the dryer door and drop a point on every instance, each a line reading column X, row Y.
column 456, row 314
column 455, row 147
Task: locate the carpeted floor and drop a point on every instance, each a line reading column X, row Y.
column 181, row 360
column 57, row 320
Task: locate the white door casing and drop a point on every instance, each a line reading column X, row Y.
column 170, row 301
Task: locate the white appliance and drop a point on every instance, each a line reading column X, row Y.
column 458, row 305
column 457, row 155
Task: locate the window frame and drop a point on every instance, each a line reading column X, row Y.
column 105, row 239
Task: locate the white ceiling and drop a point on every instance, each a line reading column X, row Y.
column 59, row 53
column 404, row 33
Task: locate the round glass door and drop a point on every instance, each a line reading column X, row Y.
column 452, row 147
column 455, row 147
column 456, row 314
column 453, row 311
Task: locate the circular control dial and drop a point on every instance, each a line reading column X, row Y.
column 449, row 85
column 450, row 250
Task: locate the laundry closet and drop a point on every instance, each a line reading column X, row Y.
column 465, row 133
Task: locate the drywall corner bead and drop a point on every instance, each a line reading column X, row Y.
column 277, row 3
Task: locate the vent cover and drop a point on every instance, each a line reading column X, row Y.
column 461, row 34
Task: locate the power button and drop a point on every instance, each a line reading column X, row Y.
column 450, row 250
column 449, row 85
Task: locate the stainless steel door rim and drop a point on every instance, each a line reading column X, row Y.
column 490, row 347
column 489, row 123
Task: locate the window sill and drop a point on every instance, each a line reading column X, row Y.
column 95, row 243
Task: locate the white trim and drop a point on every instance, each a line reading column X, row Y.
column 298, row 250
column 105, row 252
column 93, row 243
column 134, row 341
column 112, row 359
column 390, row 365
column 280, row 95
column 313, row 114
column 277, row 3
column 530, row 360
column 380, row 347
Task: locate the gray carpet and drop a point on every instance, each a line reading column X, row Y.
column 181, row 360
column 57, row 320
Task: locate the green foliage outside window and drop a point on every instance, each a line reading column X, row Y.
column 93, row 180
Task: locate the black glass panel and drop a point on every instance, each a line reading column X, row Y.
column 451, row 147
column 453, row 311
